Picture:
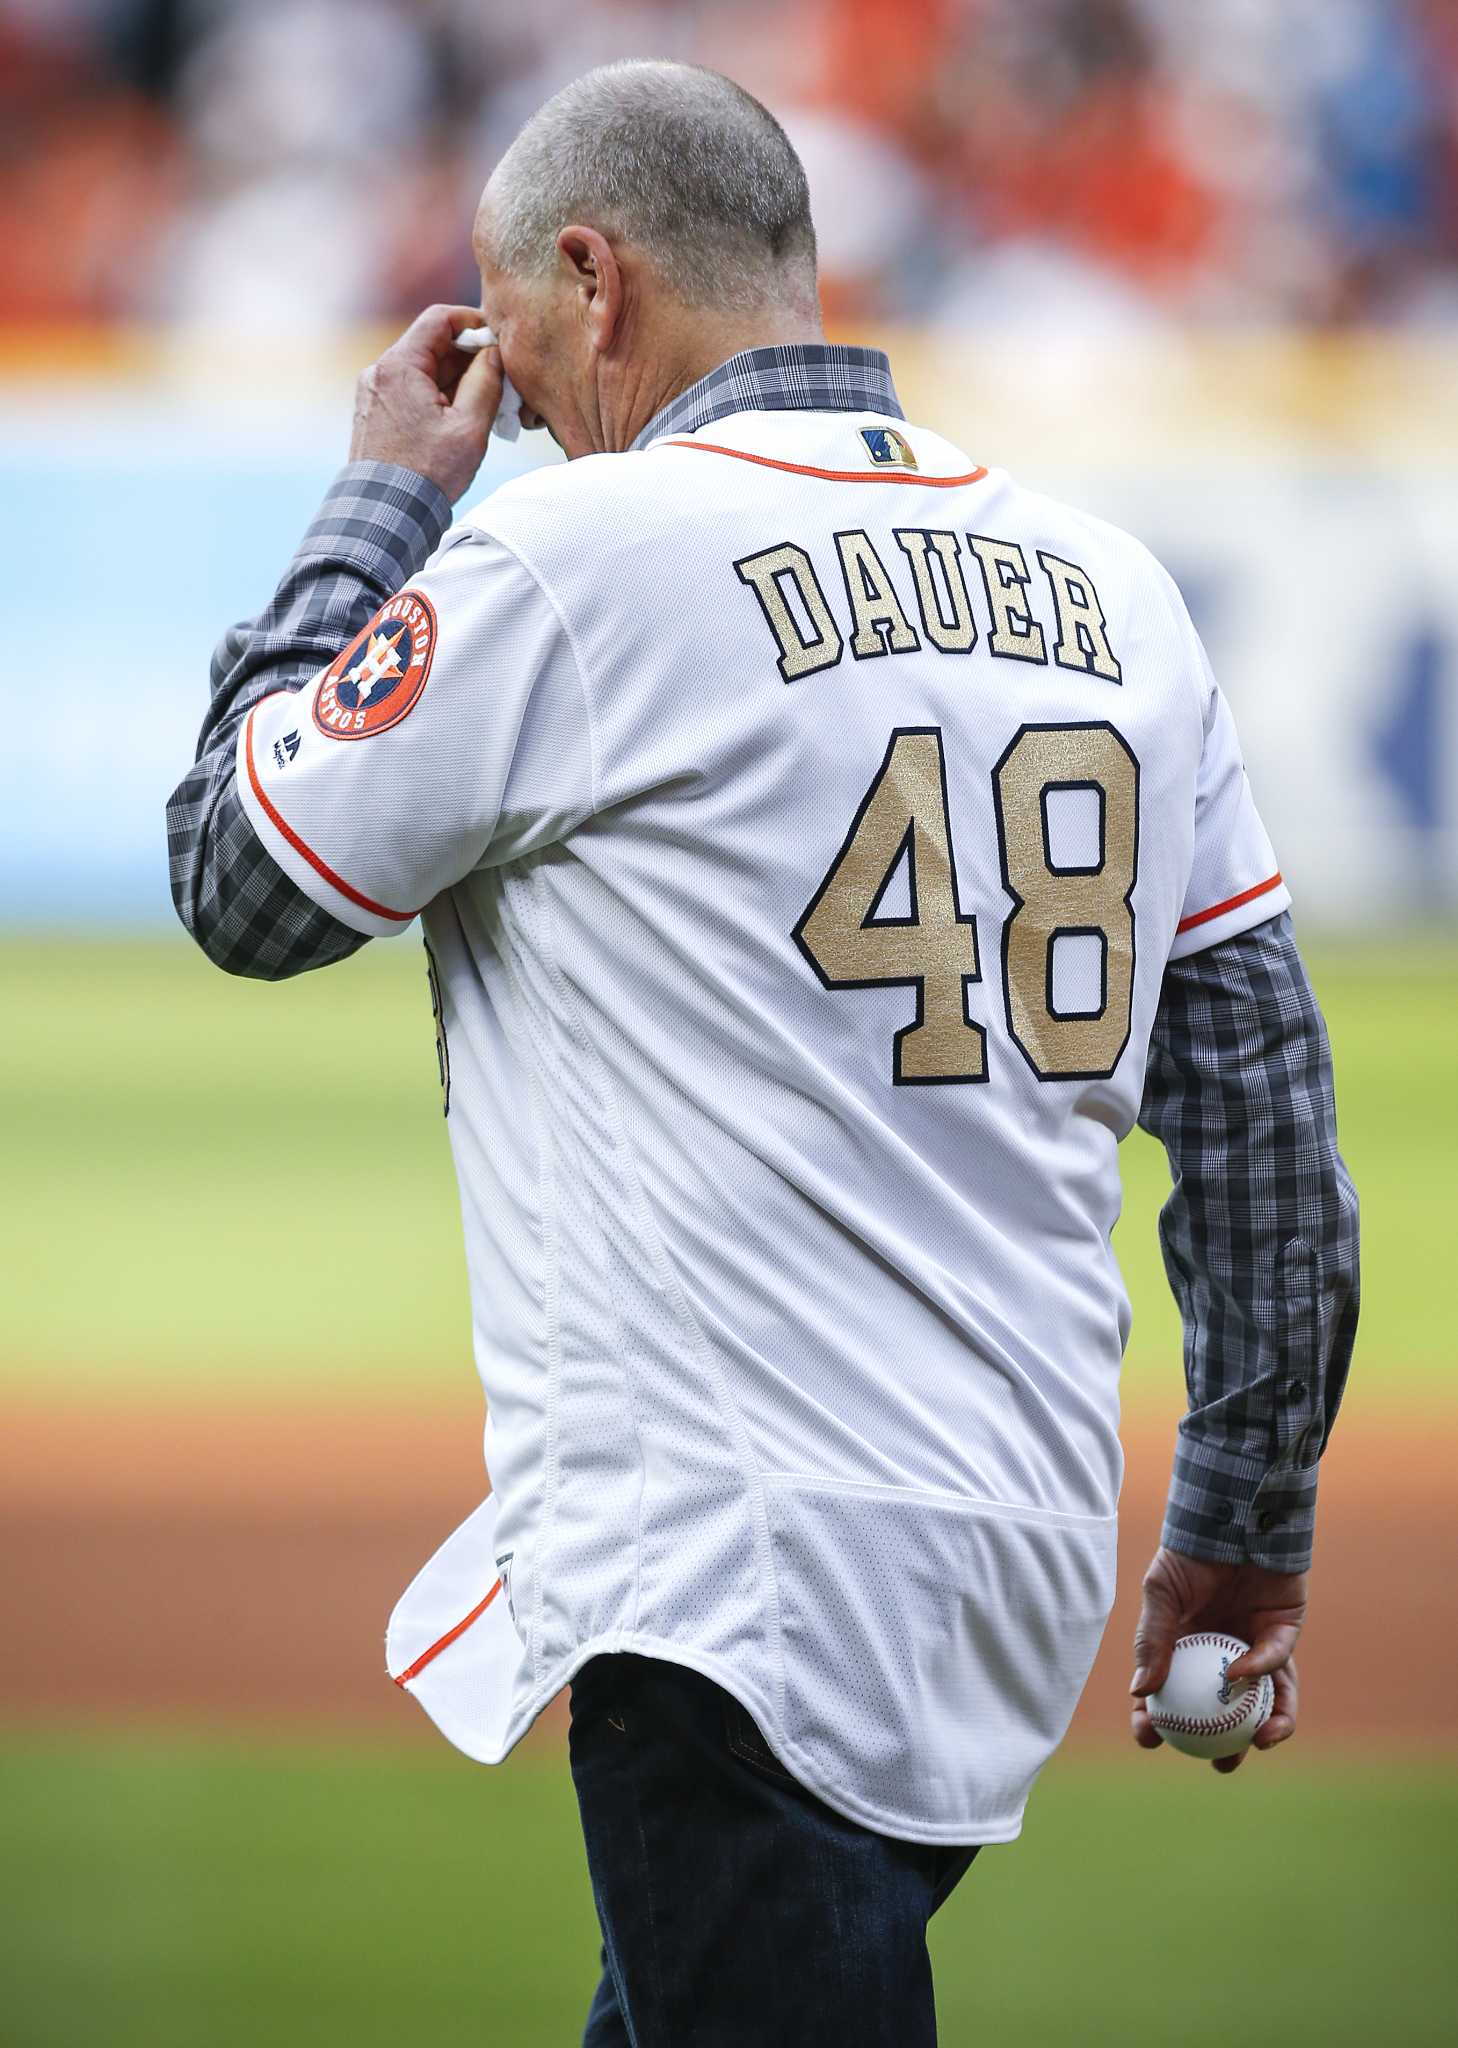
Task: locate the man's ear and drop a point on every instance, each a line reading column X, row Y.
column 597, row 280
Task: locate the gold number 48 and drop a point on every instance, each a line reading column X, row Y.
column 904, row 817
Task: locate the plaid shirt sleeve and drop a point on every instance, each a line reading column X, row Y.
column 376, row 528
column 1260, row 1244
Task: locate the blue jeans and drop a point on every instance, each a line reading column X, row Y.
column 738, row 1910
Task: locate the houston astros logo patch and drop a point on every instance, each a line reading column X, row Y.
column 378, row 678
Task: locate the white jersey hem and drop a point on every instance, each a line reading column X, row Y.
column 983, row 1833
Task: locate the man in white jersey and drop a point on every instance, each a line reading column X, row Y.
column 826, row 849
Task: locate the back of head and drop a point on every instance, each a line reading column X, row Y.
column 677, row 160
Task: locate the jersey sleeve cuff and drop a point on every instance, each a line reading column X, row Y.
column 290, row 850
column 1224, row 918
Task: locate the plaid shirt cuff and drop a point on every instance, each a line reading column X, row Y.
column 1235, row 1509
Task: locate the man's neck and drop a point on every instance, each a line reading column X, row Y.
column 694, row 352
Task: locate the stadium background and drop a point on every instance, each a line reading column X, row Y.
column 1196, row 267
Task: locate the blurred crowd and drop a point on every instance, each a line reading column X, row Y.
column 288, row 165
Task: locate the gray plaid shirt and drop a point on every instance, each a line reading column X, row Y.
column 1260, row 1231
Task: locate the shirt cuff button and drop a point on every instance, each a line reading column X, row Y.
column 1224, row 1511
column 1269, row 1519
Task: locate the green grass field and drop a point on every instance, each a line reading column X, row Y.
column 179, row 1147
column 200, row 1893
column 169, row 1132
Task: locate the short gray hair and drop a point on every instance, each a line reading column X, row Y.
column 679, row 160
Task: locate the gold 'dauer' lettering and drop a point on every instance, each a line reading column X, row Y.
column 881, row 626
column 1083, row 641
column 798, row 612
column 772, row 575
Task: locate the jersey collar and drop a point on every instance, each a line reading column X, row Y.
column 812, row 376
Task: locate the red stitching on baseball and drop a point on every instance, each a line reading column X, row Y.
column 1214, row 1724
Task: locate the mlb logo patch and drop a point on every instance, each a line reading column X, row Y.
column 887, row 448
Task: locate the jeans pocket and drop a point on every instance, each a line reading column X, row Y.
column 743, row 1739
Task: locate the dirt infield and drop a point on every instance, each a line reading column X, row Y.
column 237, row 1563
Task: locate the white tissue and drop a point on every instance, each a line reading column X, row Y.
column 507, row 424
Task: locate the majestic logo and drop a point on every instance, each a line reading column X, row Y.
column 286, row 749
column 887, row 448
column 378, row 678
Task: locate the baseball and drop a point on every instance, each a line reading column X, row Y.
column 1198, row 1709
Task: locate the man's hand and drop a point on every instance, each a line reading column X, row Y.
column 428, row 405
column 1265, row 1609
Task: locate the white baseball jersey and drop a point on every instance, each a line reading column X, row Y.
column 802, row 818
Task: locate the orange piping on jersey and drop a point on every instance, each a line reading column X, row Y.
column 837, row 476
column 428, row 1656
column 1187, row 924
column 319, row 866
